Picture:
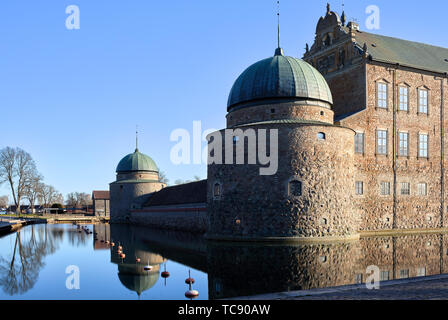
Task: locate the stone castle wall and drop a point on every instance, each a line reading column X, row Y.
column 125, row 197
column 255, row 206
column 303, row 110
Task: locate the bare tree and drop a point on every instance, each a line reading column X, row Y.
column 163, row 178
column 33, row 189
column 4, row 202
column 58, row 198
column 47, row 195
column 78, row 199
column 70, row 201
column 16, row 168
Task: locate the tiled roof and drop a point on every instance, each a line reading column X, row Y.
column 194, row 192
column 406, row 53
column 100, row 195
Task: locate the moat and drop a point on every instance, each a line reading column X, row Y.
column 33, row 263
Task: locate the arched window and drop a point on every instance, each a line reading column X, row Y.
column 321, row 136
column 295, row 188
column 217, row 190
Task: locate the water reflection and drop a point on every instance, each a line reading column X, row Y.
column 226, row 269
column 135, row 276
column 20, row 270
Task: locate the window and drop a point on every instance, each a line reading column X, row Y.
column 385, row 188
column 358, row 278
column 423, row 146
column 423, row 101
column 403, row 93
column 403, row 144
column 321, row 136
column 295, row 188
column 217, row 190
column 359, row 188
column 384, row 276
column 421, row 272
column 382, row 95
column 422, row 189
column 405, row 189
column 404, row 274
column 381, row 145
column 359, row 143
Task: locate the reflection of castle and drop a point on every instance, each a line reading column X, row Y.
column 359, row 129
column 132, row 274
column 249, row 269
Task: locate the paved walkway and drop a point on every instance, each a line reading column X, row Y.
column 427, row 288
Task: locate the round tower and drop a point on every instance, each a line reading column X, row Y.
column 284, row 103
column 137, row 178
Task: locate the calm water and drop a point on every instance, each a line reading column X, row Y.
column 33, row 263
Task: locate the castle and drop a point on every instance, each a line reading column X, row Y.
column 360, row 129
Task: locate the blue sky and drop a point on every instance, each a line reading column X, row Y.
column 72, row 98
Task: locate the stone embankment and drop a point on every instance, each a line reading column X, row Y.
column 8, row 225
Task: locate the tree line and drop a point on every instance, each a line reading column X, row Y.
column 18, row 170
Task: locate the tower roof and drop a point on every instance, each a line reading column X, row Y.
column 136, row 162
column 279, row 77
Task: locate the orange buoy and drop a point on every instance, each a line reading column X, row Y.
column 137, row 260
column 113, row 244
column 120, row 248
column 189, row 280
column 122, row 256
column 165, row 274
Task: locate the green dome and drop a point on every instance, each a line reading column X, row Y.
column 279, row 78
column 136, row 162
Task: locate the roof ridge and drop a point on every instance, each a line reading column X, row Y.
column 395, row 38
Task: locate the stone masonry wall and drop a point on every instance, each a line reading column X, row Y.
column 255, row 206
column 303, row 110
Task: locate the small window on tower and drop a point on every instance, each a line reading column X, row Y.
column 321, row 136
column 295, row 188
column 217, row 190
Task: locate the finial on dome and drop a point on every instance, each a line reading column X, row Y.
column 343, row 17
column 136, row 138
column 279, row 50
column 328, row 8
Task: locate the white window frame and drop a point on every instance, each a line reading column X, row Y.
column 423, row 102
column 423, row 145
column 382, row 139
column 403, row 144
column 382, row 95
column 403, row 98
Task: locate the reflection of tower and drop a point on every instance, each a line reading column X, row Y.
column 244, row 270
column 132, row 274
column 101, row 235
column 135, row 278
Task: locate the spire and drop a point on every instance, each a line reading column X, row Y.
column 279, row 50
column 343, row 17
column 328, row 8
column 136, row 138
